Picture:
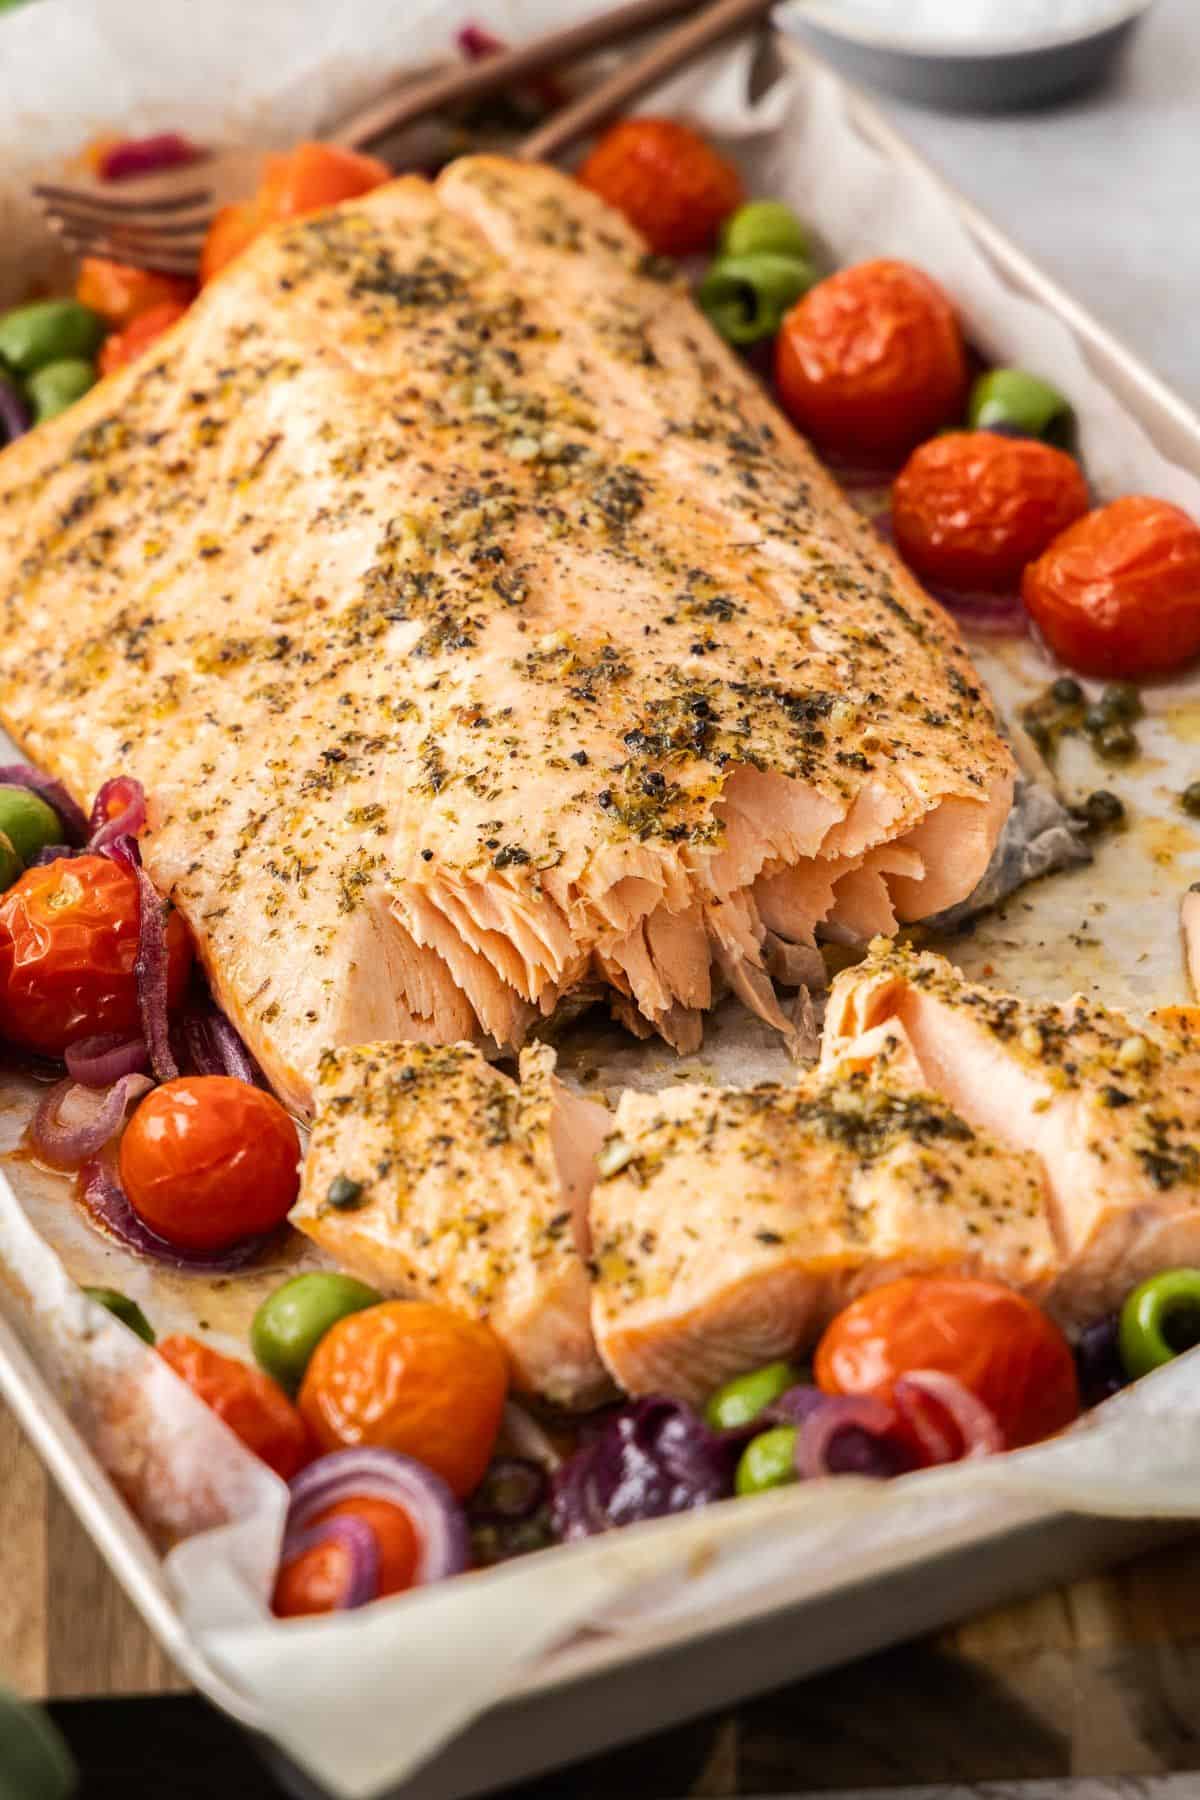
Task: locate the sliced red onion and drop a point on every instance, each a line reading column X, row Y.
column 512, row 1489
column 361, row 1545
column 15, row 417
column 145, row 156
column 994, row 615
column 376, row 1474
column 214, row 1048
column 475, row 42
column 819, row 1438
column 976, row 1423
column 796, row 1404
column 96, row 1119
column 150, row 963
column 109, row 1205
column 52, row 853
column 851, row 474
column 119, row 810
column 96, row 1062
column 74, row 822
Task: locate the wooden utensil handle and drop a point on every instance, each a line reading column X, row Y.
column 670, row 54
column 469, row 81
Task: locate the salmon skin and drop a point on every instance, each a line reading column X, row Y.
column 480, row 633
column 432, row 1174
column 735, row 1224
column 1111, row 1111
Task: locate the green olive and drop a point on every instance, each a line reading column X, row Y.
column 743, row 1398
column 59, row 385
column 1159, row 1320
column 48, row 331
column 35, row 1763
column 768, row 1461
column 123, row 1308
column 28, row 822
column 1019, row 402
column 745, row 297
column 11, row 865
column 764, row 225
column 291, row 1322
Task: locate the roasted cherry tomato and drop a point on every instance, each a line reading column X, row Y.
column 313, row 1581
column 667, row 181
column 250, row 1403
column 68, row 941
column 126, row 346
column 410, row 1377
column 119, row 292
column 207, row 1160
column 300, row 181
column 995, row 1342
column 871, row 361
column 970, row 509
column 1119, row 592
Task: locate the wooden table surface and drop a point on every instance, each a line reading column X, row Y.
column 1101, row 1677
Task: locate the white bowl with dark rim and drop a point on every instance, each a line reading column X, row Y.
column 961, row 75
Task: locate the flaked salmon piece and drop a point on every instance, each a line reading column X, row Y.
column 465, row 1189
column 734, row 1224
column 478, row 628
column 1112, row 1111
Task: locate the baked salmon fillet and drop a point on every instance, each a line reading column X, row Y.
column 1111, row 1111
column 481, row 634
column 732, row 1225
column 431, row 1174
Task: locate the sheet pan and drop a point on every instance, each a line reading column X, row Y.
column 602, row 1688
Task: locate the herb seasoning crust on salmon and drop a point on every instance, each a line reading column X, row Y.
column 1111, row 1111
column 481, row 634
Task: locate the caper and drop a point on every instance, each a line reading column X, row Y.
column 1122, row 700
column 1097, row 718
column 1101, row 810
column 1067, row 691
column 1190, row 799
column 1116, row 742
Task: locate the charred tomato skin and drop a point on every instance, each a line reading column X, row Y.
column 206, row 1161
column 871, row 361
column 68, row 943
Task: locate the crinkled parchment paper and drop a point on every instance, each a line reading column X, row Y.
column 364, row 1699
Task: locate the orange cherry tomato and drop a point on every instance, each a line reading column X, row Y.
column 410, row 1377
column 1118, row 593
column 206, row 1160
column 667, row 181
column 68, row 942
column 871, row 360
column 995, row 1342
column 312, row 1582
column 972, row 508
column 126, row 346
column 302, row 180
column 233, row 227
column 119, row 292
column 253, row 1406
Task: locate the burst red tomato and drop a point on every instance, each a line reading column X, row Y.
column 971, row 509
column 313, row 1581
column 68, row 941
column 124, row 347
column 120, row 293
column 253, row 1406
column 1118, row 594
column 207, row 1160
column 871, row 361
column 995, row 1342
column 666, row 180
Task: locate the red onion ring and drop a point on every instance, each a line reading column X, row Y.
column 51, row 853
column 150, row 963
column 376, row 1474
column 109, row 1206
column 68, row 1146
column 976, row 1423
column 96, row 1062
column 144, row 156
column 842, row 1412
column 119, row 810
column 214, row 1047
column 994, row 615
column 74, row 823
column 361, row 1545
column 476, row 42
